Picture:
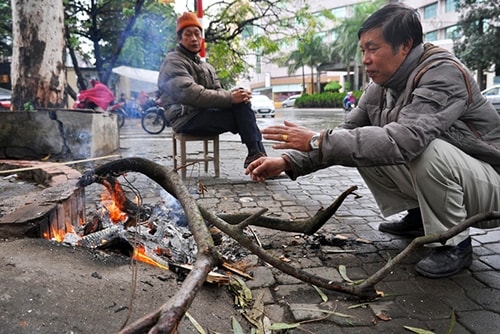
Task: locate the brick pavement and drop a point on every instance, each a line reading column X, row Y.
column 473, row 296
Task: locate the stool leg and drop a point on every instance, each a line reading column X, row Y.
column 206, row 155
column 183, row 158
column 174, row 142
column 216, row 156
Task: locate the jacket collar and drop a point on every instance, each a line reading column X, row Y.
column 400, row 77
column 193, row 56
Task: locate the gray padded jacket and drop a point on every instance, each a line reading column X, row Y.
column 392, row 124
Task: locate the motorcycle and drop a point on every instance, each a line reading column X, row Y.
column 119, row 110
column 153, row 119
column 116, row 108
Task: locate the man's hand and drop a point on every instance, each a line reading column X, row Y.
column 240, row 95
column 266, row 167
column 290, row 136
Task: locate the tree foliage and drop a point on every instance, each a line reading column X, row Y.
column 238, row 28
column 346, row 43
column 140, row 33
column 479, row 31
column 119, row 32
column 5, row 30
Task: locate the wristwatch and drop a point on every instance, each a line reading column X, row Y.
column 315, row 141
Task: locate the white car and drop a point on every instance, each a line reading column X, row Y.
column 262, row 105
column 290, row 102
column 492, row 94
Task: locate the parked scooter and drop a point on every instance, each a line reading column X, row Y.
column 100, row 98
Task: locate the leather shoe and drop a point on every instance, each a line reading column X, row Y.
column 409, row 226
column 445, row 261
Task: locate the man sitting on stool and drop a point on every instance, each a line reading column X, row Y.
column 194, row 100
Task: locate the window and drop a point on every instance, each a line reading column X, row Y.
column 451, row 32
column 339, row 12
column 431, row 36
column 430, row 11
column 450, row 6
column 258, row 64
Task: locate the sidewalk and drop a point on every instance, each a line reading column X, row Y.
column 473, row 295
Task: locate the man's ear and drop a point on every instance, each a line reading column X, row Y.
column 407, row 45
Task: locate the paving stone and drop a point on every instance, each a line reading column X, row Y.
column 480, row 322
column 424, row 306
column 489, row 278
column 487, row 298
column 276, row 313
column 492, row 260
column 262, row 277
column 410, row 300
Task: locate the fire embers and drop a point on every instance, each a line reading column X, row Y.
column 157, row 234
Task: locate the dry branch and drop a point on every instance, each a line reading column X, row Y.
column 165, row 319
column 420, row 241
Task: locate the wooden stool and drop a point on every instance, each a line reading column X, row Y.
column 207, row 155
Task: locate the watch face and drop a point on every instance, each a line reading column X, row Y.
column 315, row 142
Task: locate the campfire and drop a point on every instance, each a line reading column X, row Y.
column 155, row 234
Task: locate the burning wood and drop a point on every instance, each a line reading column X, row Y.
column 157, row 235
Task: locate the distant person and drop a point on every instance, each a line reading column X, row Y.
column 142, row 100
column 422, row 136
column 98, row 97
column 123, row 98
column 349, row 101
column 194, row 99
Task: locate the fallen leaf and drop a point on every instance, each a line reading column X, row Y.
column 418, row 330
column 383, row 316
column 323, row 296
column 195, row 323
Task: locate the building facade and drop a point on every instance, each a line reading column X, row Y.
column 439, row 21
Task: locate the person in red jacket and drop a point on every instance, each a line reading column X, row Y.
column 99, row 96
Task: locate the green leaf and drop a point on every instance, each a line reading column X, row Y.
column 195, row 323
column 453, row 322
column 237, row 329
column 343, row 273
column 418, row 330
column 342, row 315
column 281, row 325
column 324, row 297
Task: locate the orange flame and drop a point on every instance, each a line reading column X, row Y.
column 115, row 214
column 140, row 255
column 58, row 234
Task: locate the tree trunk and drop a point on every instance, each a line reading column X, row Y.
column 38, row 70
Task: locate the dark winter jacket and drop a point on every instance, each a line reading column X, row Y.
column 393, row 124
column 187, row 85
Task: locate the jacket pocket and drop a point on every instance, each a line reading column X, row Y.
column 440, row 98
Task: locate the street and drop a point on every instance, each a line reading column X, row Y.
column 315, row 119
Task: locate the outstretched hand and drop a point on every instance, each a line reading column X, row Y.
column 266, row 167
column 290, row 136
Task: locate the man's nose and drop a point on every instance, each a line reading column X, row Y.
column 365, row 59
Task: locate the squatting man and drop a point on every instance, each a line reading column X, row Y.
column 422, row 136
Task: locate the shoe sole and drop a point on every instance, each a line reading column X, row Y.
column 410, row 233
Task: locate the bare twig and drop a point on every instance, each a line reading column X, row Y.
column 165, row 319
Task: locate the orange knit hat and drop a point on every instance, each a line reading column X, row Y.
column 188, row 19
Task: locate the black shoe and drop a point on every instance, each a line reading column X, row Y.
column 409, row 226
column 252, row 158
column 445, row 261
